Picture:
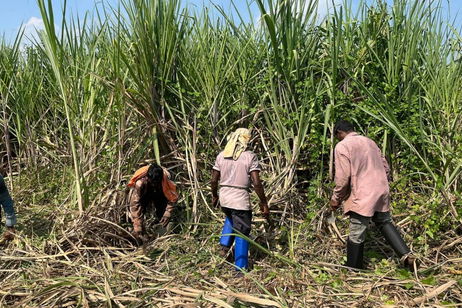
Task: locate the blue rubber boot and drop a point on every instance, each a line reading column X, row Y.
column 241, row 254
column 226, row 239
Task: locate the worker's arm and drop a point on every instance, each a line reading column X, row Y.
column 136, row 210
column 342, row 176
column 167, row 214
column 258, row 187
column 170, row 193
column 214, row 186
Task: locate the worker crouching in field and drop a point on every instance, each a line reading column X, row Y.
column 8, row 208
column 234, row 169
column 151, row 189
column 361, row 178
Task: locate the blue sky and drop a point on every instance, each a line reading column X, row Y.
column 15, row 13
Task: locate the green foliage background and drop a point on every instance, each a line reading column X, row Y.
column 97, row 96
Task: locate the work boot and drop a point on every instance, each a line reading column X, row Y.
column 394, row 239
column 8, row 235
column 409, row 260
column 241, row 254
column 226, row 239
column 354, row 255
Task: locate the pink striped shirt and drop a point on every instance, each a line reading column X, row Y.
column 361, row 176
column 235, row 179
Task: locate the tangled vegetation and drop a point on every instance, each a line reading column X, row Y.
column 93, row 98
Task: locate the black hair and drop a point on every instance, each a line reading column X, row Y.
column 155, row 173
column 343, row 126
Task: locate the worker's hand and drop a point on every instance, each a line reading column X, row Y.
column 265, row 210
column 334, row 204
column 215, row 201
column 165, row 220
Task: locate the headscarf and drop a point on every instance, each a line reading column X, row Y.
column 237, row 143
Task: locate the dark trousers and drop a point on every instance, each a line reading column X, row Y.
column 359, row 224
column 7, row 203
column 241, row 221
column 384, row 222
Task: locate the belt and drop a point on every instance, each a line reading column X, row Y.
column 238, row 187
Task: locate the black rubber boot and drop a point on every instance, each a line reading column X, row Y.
column 354, row 255
column 394, row 239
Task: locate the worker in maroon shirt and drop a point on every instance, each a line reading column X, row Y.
column 361, row 181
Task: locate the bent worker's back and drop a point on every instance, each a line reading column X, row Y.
column 359, row 161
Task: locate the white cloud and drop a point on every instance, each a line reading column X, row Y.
column 32, row 27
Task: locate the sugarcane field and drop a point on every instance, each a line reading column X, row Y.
column 241, row 153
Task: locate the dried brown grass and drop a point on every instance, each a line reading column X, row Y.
column 93, row 262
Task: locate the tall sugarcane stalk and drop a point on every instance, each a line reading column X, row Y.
column 54, row 50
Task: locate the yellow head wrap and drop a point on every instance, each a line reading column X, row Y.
column 237, row 143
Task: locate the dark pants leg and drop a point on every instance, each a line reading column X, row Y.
column 7, row 204
column 240, row 223
column 241, row 220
